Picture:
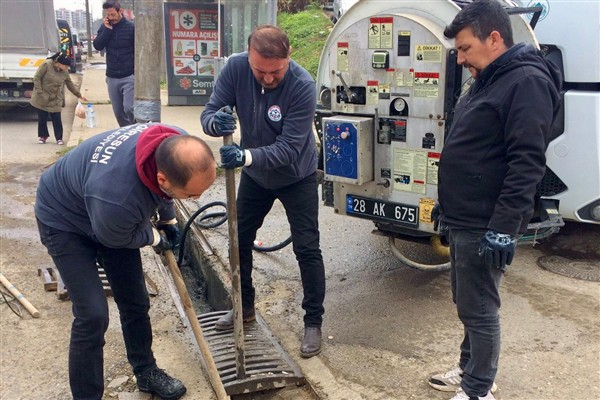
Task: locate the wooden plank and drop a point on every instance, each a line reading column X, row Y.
column 50, row 283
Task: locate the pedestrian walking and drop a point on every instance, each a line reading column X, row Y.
column 492, row 161
column 86, row 220
column 116, row 37
column 48, row 95
column 275, row 101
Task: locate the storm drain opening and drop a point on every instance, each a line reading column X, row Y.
column 268, row 366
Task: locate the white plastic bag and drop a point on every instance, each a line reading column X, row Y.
column 80, row 110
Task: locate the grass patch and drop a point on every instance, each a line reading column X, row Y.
column 307, row 31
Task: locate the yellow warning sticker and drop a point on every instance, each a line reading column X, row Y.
column 425, row 207
column 428, row 53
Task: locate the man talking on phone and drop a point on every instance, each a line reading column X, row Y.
column 116, row 37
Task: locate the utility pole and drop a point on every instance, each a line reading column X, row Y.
column 148, row 42
column 88, row 20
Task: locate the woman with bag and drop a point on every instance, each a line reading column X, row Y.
column 48, row 94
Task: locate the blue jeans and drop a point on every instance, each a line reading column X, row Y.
column 301, row 203
column 121, row 94
column 75, row 256
column 475, row 293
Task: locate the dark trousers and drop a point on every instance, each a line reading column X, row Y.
column 475, row 292
column 301, row 203
column 75, row 256
column 43, row 124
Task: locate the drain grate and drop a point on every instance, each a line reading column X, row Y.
column 588, row 270
column 268, row 366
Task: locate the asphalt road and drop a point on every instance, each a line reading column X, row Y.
column 388, row 326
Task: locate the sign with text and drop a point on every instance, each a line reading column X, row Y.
column 192, row 44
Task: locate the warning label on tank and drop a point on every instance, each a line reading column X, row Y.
column 428, row 53
column 372, row 92
column 425, row 208
column 426, row 84
column 342, row 56
column 433, row 165
column 380, row 32
column 410, row 170
column 384, row 91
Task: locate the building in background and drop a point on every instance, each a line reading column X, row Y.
column 75, row 18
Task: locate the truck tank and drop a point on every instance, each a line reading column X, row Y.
column 387, row 84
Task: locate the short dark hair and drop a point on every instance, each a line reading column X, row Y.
column 111, row 4
column 269, row 41
column 179, row 170
column 483, row 17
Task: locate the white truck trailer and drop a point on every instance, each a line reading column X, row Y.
column 28, row 35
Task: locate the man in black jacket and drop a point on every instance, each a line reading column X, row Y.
column 117, row 37
column 493, row 158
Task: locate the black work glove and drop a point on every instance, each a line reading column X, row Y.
column 436, row 214
column 162, row 246
column 232, row 156
column 224, row 121
column 497, row 249
column 171, row 231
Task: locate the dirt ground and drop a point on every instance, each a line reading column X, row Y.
column 551, row 321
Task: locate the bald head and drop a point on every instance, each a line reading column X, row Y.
column 183, row 159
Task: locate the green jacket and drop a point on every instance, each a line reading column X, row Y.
column 48, row 88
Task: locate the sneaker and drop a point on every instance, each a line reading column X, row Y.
column 461, row 395
column 42, row 140
column 226, row 321
column 157, row 381
column 450, row 381
column 60, row 142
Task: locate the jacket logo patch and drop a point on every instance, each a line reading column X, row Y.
column 274, row 113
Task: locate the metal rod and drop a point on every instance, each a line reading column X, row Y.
column 234, row 261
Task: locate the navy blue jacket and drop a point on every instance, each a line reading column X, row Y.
column 494, row 154
column 120, row 48
column 276, row 125
column 96, row 191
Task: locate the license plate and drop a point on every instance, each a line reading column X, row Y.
column 363, row 207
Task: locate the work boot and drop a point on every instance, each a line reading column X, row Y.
column 157, row 381
column 311, row 343
column 226, row 321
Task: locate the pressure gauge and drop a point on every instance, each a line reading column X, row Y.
column 399, row 105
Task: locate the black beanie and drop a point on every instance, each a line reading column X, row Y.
column 63, row 59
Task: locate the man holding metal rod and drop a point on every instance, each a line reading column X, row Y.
column 275, row 101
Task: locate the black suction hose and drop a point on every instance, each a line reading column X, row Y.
column 222, row 217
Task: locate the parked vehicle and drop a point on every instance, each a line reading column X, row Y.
column 66, row 42
column 24, row 46
column 388, row 82
column 77, row 46
column 339, row 7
